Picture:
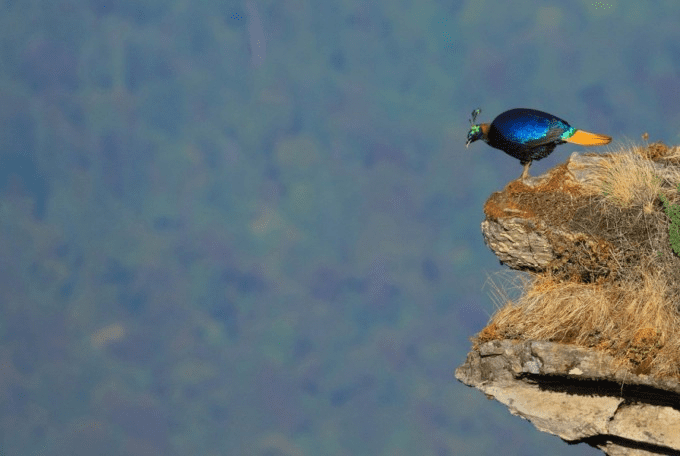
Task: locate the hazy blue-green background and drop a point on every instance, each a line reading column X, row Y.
column 252, row 228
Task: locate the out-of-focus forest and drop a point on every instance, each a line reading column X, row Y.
column 252, row 228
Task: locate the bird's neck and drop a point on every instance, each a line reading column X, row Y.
column 485, row 130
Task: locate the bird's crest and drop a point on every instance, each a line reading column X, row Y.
column 475, row 113
column 475, row 130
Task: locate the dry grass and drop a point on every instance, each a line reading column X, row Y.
column 632, row 178
column 634, row 313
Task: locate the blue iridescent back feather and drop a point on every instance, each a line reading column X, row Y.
column 528, row 134
column 527, row 125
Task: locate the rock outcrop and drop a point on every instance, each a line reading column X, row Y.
column 591, row 351
column 579, row 395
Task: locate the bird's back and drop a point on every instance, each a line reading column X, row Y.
column 527, row 134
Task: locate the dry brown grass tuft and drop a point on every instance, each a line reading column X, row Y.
column 632, row 178
column 633, row 314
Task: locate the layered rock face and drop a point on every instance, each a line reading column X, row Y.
column 577, row 394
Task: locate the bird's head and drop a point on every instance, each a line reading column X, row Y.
column 475, row 132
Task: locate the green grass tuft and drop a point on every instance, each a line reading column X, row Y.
column 673, row 212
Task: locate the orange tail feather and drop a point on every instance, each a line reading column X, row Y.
column 584, row 138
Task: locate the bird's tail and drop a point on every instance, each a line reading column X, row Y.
column 584, row 138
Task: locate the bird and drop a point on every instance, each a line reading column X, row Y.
column 529, row 134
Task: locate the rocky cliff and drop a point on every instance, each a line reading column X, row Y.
column 590, row 350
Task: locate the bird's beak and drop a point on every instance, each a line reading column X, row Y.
column 467, row 143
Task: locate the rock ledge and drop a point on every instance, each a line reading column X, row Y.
column 578, row 395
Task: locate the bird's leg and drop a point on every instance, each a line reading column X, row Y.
column 525, row 172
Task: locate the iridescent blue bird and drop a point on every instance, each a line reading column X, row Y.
column 528, row 134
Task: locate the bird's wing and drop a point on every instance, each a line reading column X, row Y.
column 552, row 135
